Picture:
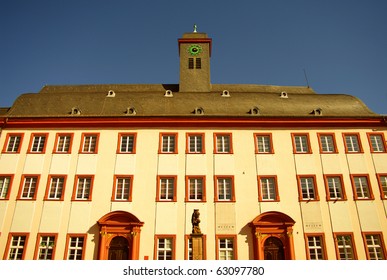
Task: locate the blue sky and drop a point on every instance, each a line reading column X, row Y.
column 341, row 44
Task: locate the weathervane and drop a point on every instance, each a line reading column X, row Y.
column 195, row 28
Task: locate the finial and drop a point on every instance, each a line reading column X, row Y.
column 195, row 28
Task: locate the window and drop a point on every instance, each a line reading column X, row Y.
column 198, row 63
column 327, row 143
column 190, row 63
column 29, row 185
column 224, row 189
column 122, row 190
column 374, row 246
column 334, row 187
column 5, row 186
column 89, row 143
column 315, row 247
column 56, row 185
column 223, row 144
column 165, row 247
column 267, row 188
column 352, row 143
column 13, row 143
column 195, row 188
column 83, row 188
column 377, row 142
column 168, row 143
column 301, row 143
column 166, row 190
column 75, row 247
column 45, row 247
column 127, row 143
column 307, row 188
column 195, row 143
column 37, row 143
column 63, row 143
column 226, row 247
column 382, row 179
column 17, row 243
column 263, row 144
column 361, row 187
column 345, row 247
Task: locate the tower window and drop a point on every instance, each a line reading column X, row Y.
column 198, row 63
column 190, row 63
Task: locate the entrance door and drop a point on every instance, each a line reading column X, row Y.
column 119, row 248
column 273, row 249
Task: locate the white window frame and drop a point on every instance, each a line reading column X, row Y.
column 374, row 246
column 89, row 143
column 13, row 144
column 226, row 248
column 308, row 188
column 335, row 188
column 5, row 183
column 223, row 143
column 74, row 250
column 38, row 142
column 195, row 143
column 169, row 185
column 83, row 190
column 30, row 185
column 125, row 184
column 46, row 247
column 362, row 187
column 56, row 188
column 195, row 189
column 377, row 143
column 301, row 144
column 16, row 247
column 168, row 143
column 63, row 144
column 268, row 188
column 345, row 248
column 352, row 143
column 316, row 247
column 224, row 188
column 127, row 143
column 327, row 143
column 165, row 249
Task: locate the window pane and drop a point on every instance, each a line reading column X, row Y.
column 383, row 185
column 301, row 143
column 56, row 188
column 195, row 189
column 46, row 247
column 223, row 144
column 374, row 247
column 127, row 144
column 122, row 188
column 168, row 144
column 195, row 143
column 17, row 247
column 377, row 143
column 83, row 188
column 327, row 144
column 224, row 189
column 63, row 144
column 345, row 247
column 4, row 185
column 29, row 187
column 315, row 248
column 268, row 189
column 38, row 144
column 335, row 188
column 13, row 143
column 263, row 143
column 361, row 185
column 166, row 189
column 352, row 143
column 307, row 188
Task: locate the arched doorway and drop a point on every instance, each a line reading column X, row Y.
column 273, row 232
column 273, row 249
column 119, row 248
column 119, row 236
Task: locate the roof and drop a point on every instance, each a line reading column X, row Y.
column 232, row 100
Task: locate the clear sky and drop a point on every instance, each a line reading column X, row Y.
column 341, row 44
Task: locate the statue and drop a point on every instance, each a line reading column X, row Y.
column 195, row 222
column 195, row 28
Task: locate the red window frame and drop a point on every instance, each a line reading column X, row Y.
column 46, row 196
column 116, row 177
column 68, row 238
column 9, row 135
column 32, row 137
column 89, row 134
column 164, row 236
column 294, row 135
column 187, row 188
column 75, row 188
column 335, row 150
column 188, row 135
column 120, row 135
column 357, row 135
column 10, row 237
column 323, row 245
column 344, row 195
column 175, row 149
column 369, row 134
column 21, row 188
column 9, row 186
column 260, row 191
column 227, row 236
column 216, row 191
column 300, row 198
column 382, row 195
column 158, row 191
column 229, row 134
column 57, row 136
column 37, row 245
column 355, row 196
column 256, row 135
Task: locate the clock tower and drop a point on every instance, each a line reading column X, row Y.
column 195, row 53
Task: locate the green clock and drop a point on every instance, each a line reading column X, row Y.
column 195, row 49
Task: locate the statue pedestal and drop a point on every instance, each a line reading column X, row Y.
column 197, row 246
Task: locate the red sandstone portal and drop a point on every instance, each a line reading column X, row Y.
column 273, row 236
column 119, row 236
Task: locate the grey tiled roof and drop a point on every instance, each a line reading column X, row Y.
column 151, row 100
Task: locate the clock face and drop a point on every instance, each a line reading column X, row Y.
column 195, row 49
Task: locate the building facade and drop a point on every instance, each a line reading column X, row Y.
column 116, row 171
